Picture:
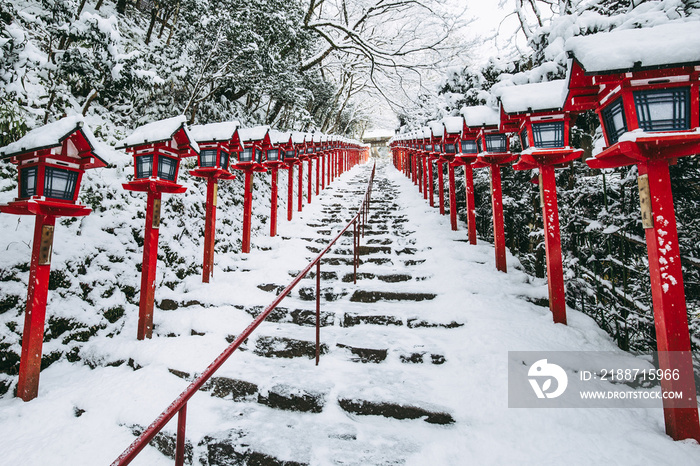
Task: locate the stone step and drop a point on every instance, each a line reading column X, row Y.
column 302, row 317
column 420, row 323
column 365, row 355
column 232, row 448
column 282, row 347
column 422, row 357
column 364, row 296
column 351, row 320
column 394, row 410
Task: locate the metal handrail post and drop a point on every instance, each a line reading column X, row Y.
column 180, row 441
column 318, row 310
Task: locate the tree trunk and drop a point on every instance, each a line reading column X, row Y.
column 121, row 6
column 154, row 15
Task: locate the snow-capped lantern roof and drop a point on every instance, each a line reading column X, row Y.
column 453, row 125
column 170, row 129
column 425, row 132
column 436, row 128
column 480, row 115
column 549, row 95
column 279, row 138
column 256, row 133
column 298, row 137
column 70, row 133
column 666, row 45
column 214, row 132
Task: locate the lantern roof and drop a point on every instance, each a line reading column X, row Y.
column 278, row 138
column 436, row 128
column 424, row 132
column 298, row 137
column 54, row 134
column 480, row 115
column 662, row 46
column 160, row 131
column 256, row 133
column 317, row 137
column 453, row 125
column 214, row 132
column 549, row 95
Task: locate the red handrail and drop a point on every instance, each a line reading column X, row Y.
column 179, row 405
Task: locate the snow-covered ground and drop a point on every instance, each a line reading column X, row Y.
column 84, row 415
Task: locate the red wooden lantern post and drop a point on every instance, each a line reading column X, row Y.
column 51, row 161
column 303, row 155
column 468, row 151
column 423, row 139
column 215, row 142
column 281, row 145
column 453, row 131
column 493, row 152
column 535, row 112
column 437, row 130
column 291, row 159
column 644, row 85
column 255, row 142
column 157, row 149
column 312, row 152
column 330, row 144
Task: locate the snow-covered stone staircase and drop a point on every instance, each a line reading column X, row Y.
column 377, row 339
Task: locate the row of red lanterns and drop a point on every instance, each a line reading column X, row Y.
column 52, row 159
column 649, row 110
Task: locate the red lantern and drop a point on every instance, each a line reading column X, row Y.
column 436, row 132
column 51, row 161
column 493, row 151
column 255, row 142
column 157, row 149
column 292, row 158
column 426, row 146
column 467, row 154
column 644, row 85
column 216, row 142
column 281, row 145
column 451, row 138
column 536, row 112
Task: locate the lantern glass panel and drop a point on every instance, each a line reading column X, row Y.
column 663, row 109
column 449, row 148
column 272, row 154
column 144, row 166
column 258, row 155
column 167, row 166
column 479, row 147
column 469, row 147
column 496, row 143
column 27, row 181
column 247, row 155
column 289, row 154
column 223, row 159
column 548, row 135
column 438, row 148
column 614, row 121
column 429, row 147
column 310, row 150
column 60, row 183
column 524, row 141
column 207, row 158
